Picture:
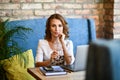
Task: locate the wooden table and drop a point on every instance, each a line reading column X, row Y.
column 37, row 74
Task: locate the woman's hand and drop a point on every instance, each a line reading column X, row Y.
column 55, row 55
column 62, row 36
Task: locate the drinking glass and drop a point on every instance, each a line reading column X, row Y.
column 58, row 48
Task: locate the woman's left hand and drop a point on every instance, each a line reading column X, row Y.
column 62, row 37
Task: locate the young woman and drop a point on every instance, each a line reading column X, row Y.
column 55, row 48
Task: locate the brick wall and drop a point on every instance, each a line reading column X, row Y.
column 100, row 10
column 116, row 30
column 108, row 17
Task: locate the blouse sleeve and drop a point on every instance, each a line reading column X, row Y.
column 70, row 50
column 39, row 53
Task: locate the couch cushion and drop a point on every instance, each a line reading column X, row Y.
column 15, row 67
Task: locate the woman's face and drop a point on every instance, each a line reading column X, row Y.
column 56, row 27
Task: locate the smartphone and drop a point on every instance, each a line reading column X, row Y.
column 48, row 68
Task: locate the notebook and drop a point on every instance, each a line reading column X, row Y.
column 80, row 59
column 52, row 70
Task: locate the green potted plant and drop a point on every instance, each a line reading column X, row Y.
column 8, row 46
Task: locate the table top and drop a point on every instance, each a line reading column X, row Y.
column 36, row 73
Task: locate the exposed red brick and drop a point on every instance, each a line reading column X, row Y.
column 64, row 0
column 108, row 5
column 104, row 13
column 4, row 1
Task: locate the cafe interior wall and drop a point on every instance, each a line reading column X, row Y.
column 106, row 13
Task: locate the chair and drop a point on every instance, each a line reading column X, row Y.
column 103, row 62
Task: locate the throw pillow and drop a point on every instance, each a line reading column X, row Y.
column 16, row 67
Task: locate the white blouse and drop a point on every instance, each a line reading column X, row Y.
column 44, row 51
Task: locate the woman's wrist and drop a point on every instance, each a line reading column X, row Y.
column 49, row 62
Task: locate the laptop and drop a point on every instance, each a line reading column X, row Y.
column 80, row 59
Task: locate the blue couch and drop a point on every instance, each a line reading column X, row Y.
column 82, row 31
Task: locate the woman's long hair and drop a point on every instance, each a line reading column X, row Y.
column 64, row 23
